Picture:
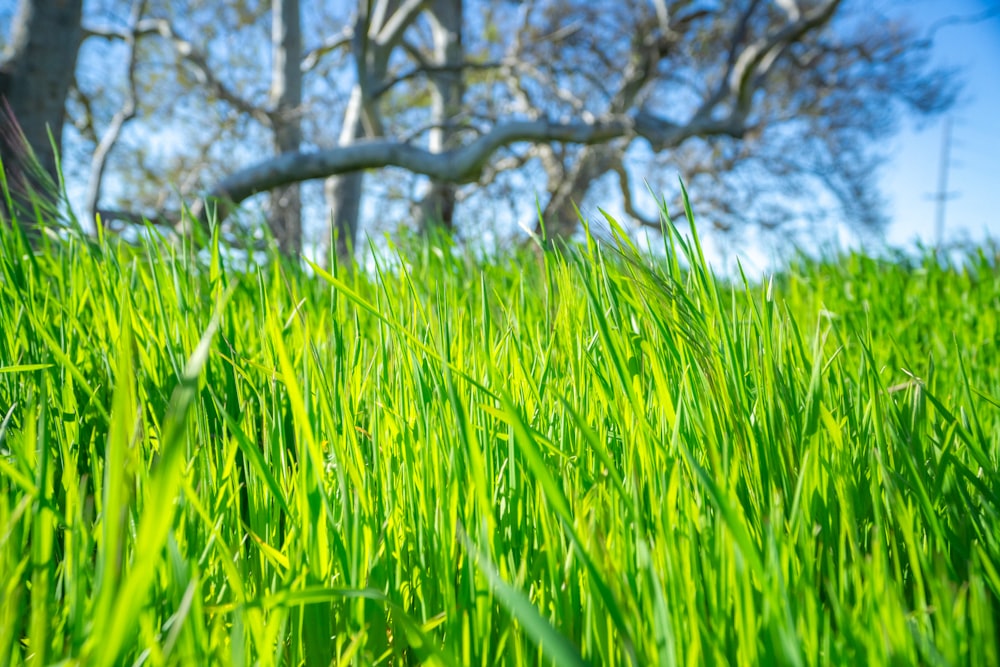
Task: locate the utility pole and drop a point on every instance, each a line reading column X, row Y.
column 942, row 196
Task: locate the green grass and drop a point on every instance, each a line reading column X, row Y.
column 581, row 457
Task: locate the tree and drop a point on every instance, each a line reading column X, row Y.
column 797, row 97
column 447, row 84
column 35, row 75
column 183, row 68
column 377, row 31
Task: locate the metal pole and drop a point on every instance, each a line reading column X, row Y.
column 943, row 195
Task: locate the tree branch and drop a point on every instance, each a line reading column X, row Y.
column 85, row 125
column 123, row 115
column 950, row 21
column 311, row 59
column 624, row 182
column 756, row 60
column 459, row 165
column 165, row 218
column 514, row 161
column 391, row 31
column 190, row 54
column 435, row 69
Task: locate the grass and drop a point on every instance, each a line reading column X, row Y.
column 582, row 457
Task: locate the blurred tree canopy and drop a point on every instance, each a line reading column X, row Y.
column 460, row 108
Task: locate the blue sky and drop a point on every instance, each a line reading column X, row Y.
column 911, row 177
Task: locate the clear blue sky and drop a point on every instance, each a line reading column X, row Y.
column 911, row 177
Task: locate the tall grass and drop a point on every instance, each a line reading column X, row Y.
column 585, row 456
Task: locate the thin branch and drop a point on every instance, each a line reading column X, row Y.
column 417, row 70
column 950, row 21
column 724, row 88
column 416, row 132
column 414, row 52
column 124, row 114
column 662, row 15
column 110, row 215
column 189, row 54
column 625, row 184
column 521, row 69
column 754, row 63
column 85, row 125
column 562, row 33
column 515, row 161
column 313, row 57
column 791, row 8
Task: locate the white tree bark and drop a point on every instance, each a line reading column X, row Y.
column 125, row 113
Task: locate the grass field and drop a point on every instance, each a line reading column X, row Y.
column 582, row 457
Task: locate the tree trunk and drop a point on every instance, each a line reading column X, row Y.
column 343, row 198
column 567, row 188
column 447, row 92
column 343, row 193
column 375, row 36
column 34, row 79
column 286, row 99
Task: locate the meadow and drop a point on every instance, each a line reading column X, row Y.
column 577, row 456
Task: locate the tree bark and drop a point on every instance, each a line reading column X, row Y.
column 377, row 31
column 447, row 92
column 569, row 187
column 34, row 80
column 123, row 115
column 286, row 102
column 459, row 165
column 343, row 193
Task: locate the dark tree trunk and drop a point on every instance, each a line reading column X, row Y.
column 34, row 80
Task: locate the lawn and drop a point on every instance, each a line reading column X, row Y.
column 582, row 456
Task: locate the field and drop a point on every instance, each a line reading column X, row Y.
column 585, row 456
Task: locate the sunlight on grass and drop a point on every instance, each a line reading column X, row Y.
column 584, row 456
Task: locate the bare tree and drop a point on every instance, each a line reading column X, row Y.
column 799, row 92
column 276, row 113
column 715, row 92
